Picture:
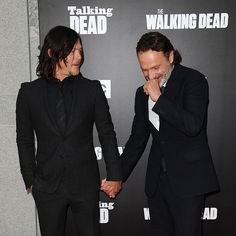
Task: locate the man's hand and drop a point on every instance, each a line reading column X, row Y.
column 111, row 188
column 152, row 88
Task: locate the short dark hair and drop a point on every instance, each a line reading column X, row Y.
column 157, row 42
column 60, row 40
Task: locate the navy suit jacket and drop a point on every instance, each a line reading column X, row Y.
column 70, row 153
column 181, row 139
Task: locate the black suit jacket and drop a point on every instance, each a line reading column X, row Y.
column 181, row 139
column 70, row 154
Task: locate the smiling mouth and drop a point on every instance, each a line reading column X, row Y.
column 158, row 77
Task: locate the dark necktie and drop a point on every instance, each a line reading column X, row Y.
column 60, row 109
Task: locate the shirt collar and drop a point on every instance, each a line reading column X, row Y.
column 54, row 80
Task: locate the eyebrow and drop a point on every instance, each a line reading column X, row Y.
column 153, row 67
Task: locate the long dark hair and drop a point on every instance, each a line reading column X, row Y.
column 157, row 42
column 60, row 40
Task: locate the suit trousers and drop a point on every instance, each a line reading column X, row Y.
column 173, row 215
column 53, row 207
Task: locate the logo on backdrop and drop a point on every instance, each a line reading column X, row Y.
column 89, row 20
column 105, row 207
column 187, row 21
column 106, row 86
column 209, row 213
column 98, row 151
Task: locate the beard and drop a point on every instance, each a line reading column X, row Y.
column 163, row 78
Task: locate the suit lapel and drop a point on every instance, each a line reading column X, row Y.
column 174, row 83
column 78, row 97
column 172, row 90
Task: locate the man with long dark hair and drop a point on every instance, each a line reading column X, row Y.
column 172, row 107
column 60, row 109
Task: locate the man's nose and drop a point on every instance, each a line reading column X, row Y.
column 151, row 75
column 78, row 55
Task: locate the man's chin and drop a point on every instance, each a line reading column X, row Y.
column 74, row 73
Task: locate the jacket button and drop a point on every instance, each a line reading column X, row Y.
column 163, row 142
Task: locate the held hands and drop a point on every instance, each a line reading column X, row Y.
column 152, row 88
column 111, row 188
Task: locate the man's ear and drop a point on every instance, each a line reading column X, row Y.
column 50, row 52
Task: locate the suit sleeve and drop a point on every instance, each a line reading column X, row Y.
column 107, row 135
column 137, row 141
column 189, row 114
column 25, row 137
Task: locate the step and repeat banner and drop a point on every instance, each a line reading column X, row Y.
column 204, row 33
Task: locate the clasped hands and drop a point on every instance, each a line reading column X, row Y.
column 111, row 188
column 152, row 89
